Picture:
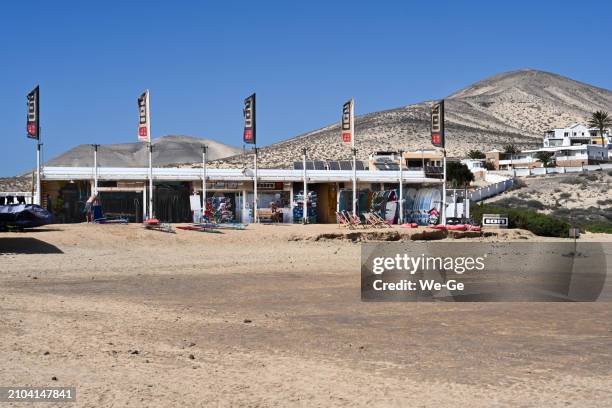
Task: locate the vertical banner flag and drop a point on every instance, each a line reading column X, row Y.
column 249, row 120
column 437, row 124
column 144, row 123
column 33, row 124
column 348, row 133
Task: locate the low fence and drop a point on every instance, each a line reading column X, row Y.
column 503, row 180
column 491, row 190
column 7, row 197
column 542, row 171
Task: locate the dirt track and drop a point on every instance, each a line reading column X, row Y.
column 258, row 318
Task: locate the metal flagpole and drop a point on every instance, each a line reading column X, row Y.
column 305, row 198
column 438, row 139
column 401, row 188
column 443, row 218
column 38, row 193
column 255, row 216
column 150, row 180
column 33, row 189
column 204, row 148
column 243, row 216
column 150, row 155
column 354, row 182
column 144, row 202
column 354, row 157
column 38, row 159
column 95, row 190
column 33, row 132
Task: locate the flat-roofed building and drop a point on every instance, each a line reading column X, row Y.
column 574, row 135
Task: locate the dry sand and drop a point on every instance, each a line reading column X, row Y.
column 573, row 191
column 271, row 316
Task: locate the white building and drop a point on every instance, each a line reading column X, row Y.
column 474, row 164
column 575, row 135
column 574, row 146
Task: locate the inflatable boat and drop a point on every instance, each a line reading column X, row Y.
column 24, row 216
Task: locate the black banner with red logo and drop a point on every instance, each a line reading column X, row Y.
column 437, row 124
column 249, row 135
column 347, row 125
column 33, row 123
column 144, row 125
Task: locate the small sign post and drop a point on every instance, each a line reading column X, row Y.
column 495, row 221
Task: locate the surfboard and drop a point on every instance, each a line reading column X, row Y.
column 391, row 211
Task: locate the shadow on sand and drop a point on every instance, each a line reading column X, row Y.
column 18, row 245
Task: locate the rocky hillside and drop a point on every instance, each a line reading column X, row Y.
column 21, row 184
column 167, row 151
column 514, row 107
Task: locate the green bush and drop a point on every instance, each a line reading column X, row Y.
column 514, row 202
column 540, row 224
column 571, row 181
column 598, row 227
column 589, row 176
column 604, row 202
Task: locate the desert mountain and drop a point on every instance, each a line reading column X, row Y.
column 513, row 107
column 167, row 151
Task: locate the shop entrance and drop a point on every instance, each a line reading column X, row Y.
column 221, row 206
column 273, row 203
column 326, row 194
column 122, row 204
column 172, row 202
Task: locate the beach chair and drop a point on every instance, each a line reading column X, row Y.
column 343, row 221
column 154, row 224
column 371, row 220
column 381, row 221
column 354, row 220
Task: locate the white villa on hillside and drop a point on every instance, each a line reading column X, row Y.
column 574, row 146
column 575, row 135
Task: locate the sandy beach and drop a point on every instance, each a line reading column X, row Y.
column 271, row 316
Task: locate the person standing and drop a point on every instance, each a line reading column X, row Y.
column 89, row 207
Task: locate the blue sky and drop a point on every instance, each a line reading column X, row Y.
column 201, row 59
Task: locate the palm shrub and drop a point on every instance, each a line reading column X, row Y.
column 600, row 120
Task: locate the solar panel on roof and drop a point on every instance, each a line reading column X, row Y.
column 319, row 165
column 359, row 165
column 333, row 165
column 345, row 165
column 310, row 165
column 297, row 166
